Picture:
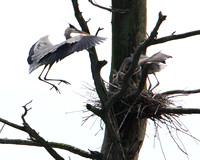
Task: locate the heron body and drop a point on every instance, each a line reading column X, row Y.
column 155, row 63
column 43, row 52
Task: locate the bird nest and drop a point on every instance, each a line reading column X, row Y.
column 144, row 105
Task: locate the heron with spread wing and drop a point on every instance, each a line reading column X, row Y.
column 43, row 52
column 155, row 63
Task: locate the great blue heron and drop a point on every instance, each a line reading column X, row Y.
column 43, row 52
column 154, row 62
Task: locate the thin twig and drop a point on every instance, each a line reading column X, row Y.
column 25, row 111
column 161, row 146
column 99, row 29
column 108, row 9
column 2, row 127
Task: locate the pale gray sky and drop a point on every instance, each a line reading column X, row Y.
column 24, row 22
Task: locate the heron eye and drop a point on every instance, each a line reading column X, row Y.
column 114, row 76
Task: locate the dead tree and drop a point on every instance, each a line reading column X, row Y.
column 123, row 109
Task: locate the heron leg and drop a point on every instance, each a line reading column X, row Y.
column 150, row 85
column 157, row 82
column 60, row 80
column 44, row 80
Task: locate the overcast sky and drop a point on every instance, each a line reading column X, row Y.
column 24, row 22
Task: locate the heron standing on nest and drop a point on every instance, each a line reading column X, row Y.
column 155, row 63
column 43, row 52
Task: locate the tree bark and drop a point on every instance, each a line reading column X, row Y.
column 128, row 31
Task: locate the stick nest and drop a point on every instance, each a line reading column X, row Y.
column 145, row 105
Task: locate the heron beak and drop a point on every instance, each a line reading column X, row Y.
column 83, row 32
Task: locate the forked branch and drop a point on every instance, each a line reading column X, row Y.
column 37, row 140
column 100, row 87
column 135, row 60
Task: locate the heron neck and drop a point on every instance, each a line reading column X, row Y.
column 67, row 33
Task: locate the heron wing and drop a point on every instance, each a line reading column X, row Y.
column 74, row 44
column 143, row 59
column 125, row 64
column 40, row 49
column 158, row 57
column 44, row 52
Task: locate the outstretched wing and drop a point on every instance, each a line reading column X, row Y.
column 74, row 44
column 39, row 49
column 44, row 52
column 158, row 57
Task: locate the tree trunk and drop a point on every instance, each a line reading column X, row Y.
column 128, row 31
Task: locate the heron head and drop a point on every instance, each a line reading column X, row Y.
column 75, row 30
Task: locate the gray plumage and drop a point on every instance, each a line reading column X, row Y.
column 155, row 63
column 43, row 52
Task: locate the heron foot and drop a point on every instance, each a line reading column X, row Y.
column 64, row 82
column 56, row 88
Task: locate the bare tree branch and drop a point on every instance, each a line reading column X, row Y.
column 37, row 140
column 108, row 9
column 52, row 144
column 184, row 92
column 175, row 37
column 100, row 87
column 95, row 110
column 99, row 29
column 12, row 124
column 179, row 110
column 143, row 79
column 35, row 136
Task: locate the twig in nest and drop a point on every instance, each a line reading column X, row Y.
column 86, row 118
column 74, row 111
column 173, row 124
column 175, row 141
column 161, row 146
column 101, row 127
column 94, row 122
